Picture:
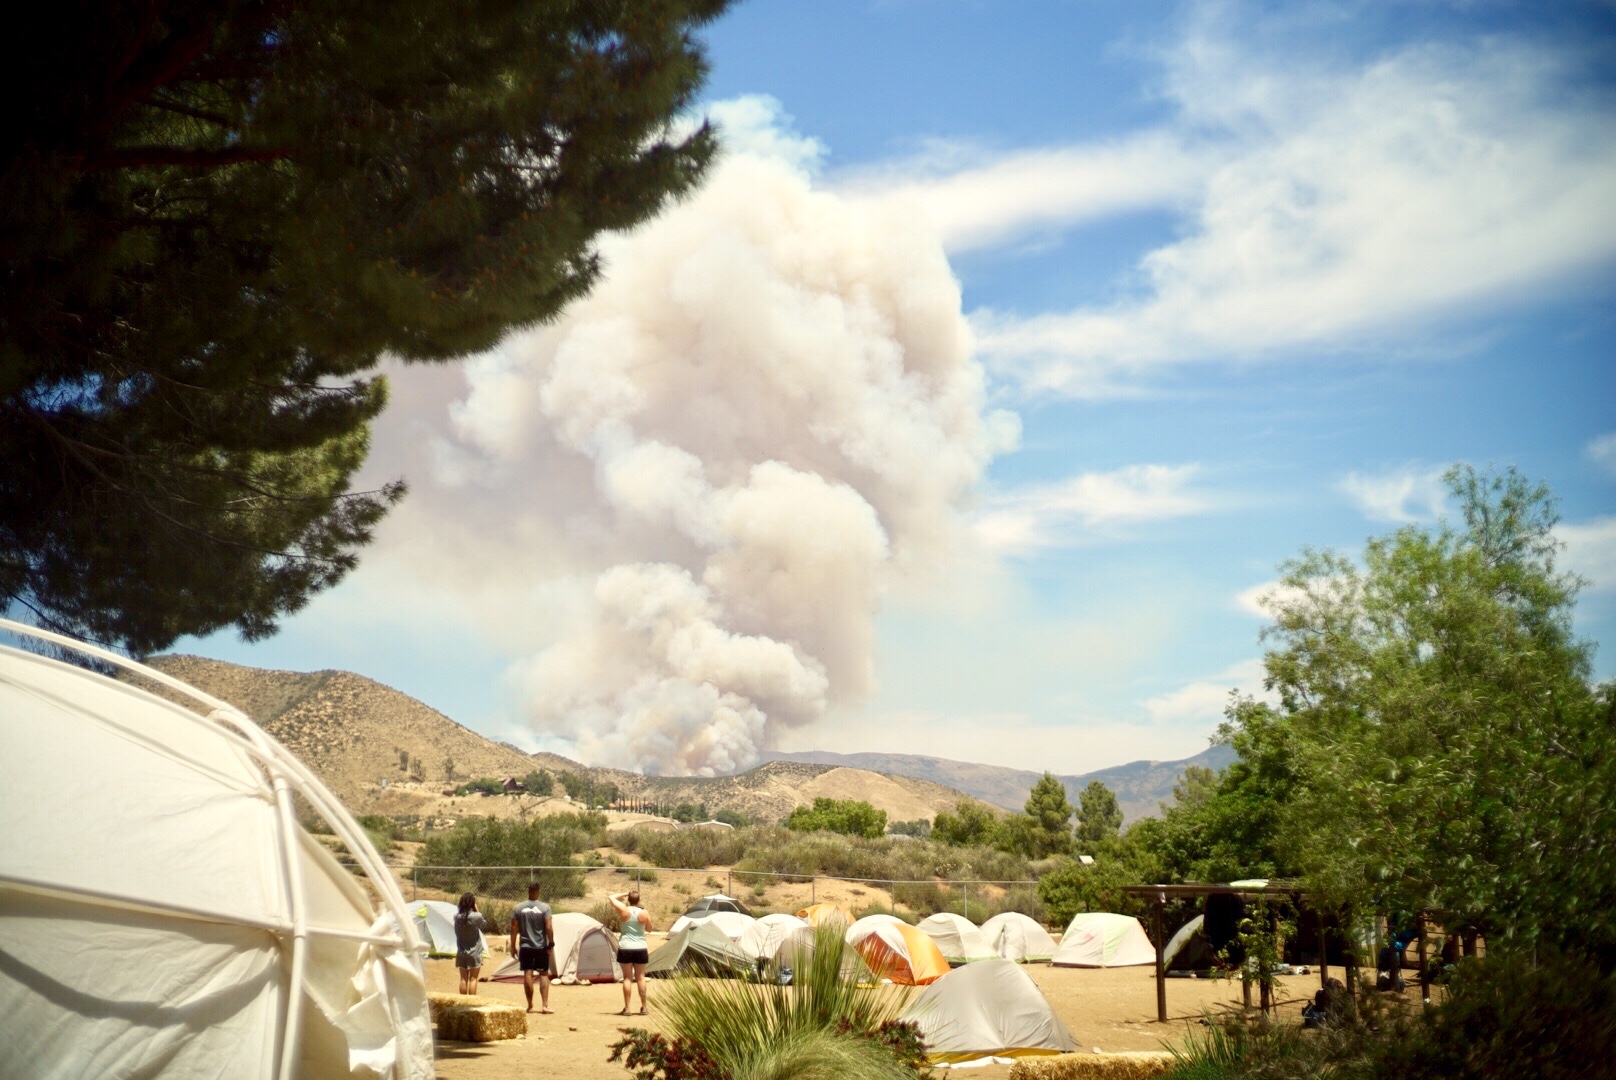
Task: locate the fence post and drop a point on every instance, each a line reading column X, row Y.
column 813, row 889
column 415, row 886
column 730, row 888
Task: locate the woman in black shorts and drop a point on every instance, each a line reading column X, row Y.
column 632, row 951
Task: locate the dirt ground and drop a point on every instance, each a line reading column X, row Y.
column 1108, row 1010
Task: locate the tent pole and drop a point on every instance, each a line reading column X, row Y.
column 300, row 952
column 1161, row 964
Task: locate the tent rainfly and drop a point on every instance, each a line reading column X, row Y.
column 434, row 923
column 817, row 914
column 766, row 938
column 957, row 938
column 1015, row 936
column 895, row 950
column 1104, row 939
column 701, row 948
column 988, row 1010
column 732, row 923
column 164, row 912
column 712, row 902
column 585, row 952
column 1189, row 950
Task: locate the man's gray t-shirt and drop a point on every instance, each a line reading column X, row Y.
column 530, row 916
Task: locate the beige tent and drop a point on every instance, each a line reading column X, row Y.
column 768, row 936
column 1104, row 939
column 161, row 910
column 585, row 952
column 732, row 923
column 1015, row 936
column 989, row 1009
column 957, row 938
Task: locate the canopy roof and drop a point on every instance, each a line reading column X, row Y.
column 162, row 910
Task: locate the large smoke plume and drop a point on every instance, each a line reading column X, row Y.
column 764, row 415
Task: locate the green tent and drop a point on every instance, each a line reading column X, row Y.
column 702, row 949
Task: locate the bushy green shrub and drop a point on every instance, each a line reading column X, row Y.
column 851, row 817
column 478, row 844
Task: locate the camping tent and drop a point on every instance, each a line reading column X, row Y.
column 706, row 905
column 434, row 923
column 895, row 950
column 585, row 952
column 1014, row 936
column 990, row 1009
column 1189, row 950
column 1104, row 939
column 818, row 913
column 161, row 910
column 701, row 948
column 772, row 934
column 732, row 923
column 957, row 938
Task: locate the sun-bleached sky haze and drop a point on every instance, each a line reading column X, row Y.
column 972, row 404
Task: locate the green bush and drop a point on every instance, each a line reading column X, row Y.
column 851, row 817
column 479, row 844
column 485, row 785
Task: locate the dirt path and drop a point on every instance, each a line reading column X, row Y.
column 1110, row 1010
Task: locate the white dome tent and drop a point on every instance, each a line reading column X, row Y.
column 161, row 909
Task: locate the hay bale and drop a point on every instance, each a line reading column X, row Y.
column 437, row 1002
column 1135, row 1065
column 486, row 1022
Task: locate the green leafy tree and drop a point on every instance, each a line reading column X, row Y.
column 539, row 782
column 218, row 216
column 1047, row 827
column 733, row 817
column 1099, row 818
column 971, row 824
column 1450, row 753
column 849, row 816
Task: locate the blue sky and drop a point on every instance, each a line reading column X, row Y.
column 1008, row 352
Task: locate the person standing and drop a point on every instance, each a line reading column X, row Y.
column 469, row 925
column 632, row 951
column 532, row 936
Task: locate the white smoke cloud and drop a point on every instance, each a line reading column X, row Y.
column 764, row 416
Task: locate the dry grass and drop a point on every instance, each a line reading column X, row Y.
column 1132, row 1066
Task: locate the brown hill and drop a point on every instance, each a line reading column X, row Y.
column 356, row 733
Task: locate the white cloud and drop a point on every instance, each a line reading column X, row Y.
column 1590, row 550
column 1399, row 496
column 1047, row 515
column 1602, row 451
column 1203, row 701
column 1350, row 207
column 997, row 198
column 1258, row 599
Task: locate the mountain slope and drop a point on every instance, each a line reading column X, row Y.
column 1139, row 785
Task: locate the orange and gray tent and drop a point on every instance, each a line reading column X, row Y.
column 1104, row 939
column 894, row 950
column 958, row 938
column 987, row 1010
column 1016, row 937
column 817, row 914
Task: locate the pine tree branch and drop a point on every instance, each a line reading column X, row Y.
column 134, row 157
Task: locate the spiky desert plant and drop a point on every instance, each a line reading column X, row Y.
column 747, row 1027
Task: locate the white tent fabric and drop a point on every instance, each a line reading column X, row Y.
column 585, row 952
column 1015, row 936
column 767, row 936
column 1104, row 939
column 990, row 1009
column 434, row 923
column 161, row 911
column 958, row 938
column 732, row 923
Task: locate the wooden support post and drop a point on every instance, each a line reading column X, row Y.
column 1324, row 948
column 1161, row 964
column 1425, row 964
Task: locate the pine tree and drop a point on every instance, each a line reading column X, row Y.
column 1047, row 825
column 1098, row 816
column 217, row 215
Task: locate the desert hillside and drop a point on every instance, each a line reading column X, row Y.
column 356, row 733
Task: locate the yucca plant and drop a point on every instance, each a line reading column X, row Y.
column 823, row 1025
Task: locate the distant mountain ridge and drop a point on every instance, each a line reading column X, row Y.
column 1140, row 786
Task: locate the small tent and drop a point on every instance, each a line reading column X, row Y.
column 585, row 952
column 161, row 910
column 957, row 938
column 434, row 922
column 1014, row 936
column 715, row 902
column 701, row 948
column 1104, row 939
column 990, row 1009
column 892, row 949
column 732, row 923
column 1189, row 950
column 771, row 934
column 817, row 914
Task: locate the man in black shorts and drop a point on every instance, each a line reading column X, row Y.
column 532, row 935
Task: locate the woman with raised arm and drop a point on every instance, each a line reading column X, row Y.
column 632, row 952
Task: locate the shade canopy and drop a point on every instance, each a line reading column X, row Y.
column 161, row 909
